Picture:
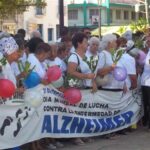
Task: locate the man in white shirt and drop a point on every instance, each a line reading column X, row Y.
column 145, row 83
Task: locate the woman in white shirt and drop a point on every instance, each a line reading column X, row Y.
column 106, row 64
column 9, row 50
column 78, row 69
column 145, row 83
column 35, row 59
column 92, row 57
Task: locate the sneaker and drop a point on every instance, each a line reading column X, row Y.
column 59, row 144
column 78, row 141
column 51, row 146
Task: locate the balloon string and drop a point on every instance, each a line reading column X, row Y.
column 37, row 113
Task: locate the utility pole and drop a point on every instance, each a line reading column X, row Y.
column 99, row 16
column 61, row 14
column 147, row 11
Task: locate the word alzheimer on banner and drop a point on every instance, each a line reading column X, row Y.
column 68, row 124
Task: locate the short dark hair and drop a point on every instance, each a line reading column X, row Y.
column 19, row 41
column 42, row 47
column 63, row 31
column 66, row 39
column 33, row 43
column 78, row 38
column 61, row 48
column 22, row 32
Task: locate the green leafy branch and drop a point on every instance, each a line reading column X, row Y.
column 25, row 68
column 3, row 61
column 116, row 55
column 92, row 63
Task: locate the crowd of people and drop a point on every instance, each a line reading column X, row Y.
column 85, row 61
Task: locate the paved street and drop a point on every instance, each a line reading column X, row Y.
column 137, row 140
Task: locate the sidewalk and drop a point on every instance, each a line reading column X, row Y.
column 136, row 140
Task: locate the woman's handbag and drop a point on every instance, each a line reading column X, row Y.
column 102, row 81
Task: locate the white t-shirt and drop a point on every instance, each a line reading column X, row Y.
column 72, row 50
column 83, row 66
column 59, row 62
column 94, row 60
column 105, row 60
column 145, row 78
column 8, row 73
column 14, row 65
column 128, row 62
column 39, row 69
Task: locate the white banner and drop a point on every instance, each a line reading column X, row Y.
column 97, row 114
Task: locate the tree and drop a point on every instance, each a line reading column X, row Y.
column 9, row 8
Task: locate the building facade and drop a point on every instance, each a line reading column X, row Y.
column 110, row 12
column 46, row 20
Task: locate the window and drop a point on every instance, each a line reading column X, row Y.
column 118, row 14
column 133, row 15
column 111, row 15
column 73, row 14
column 40, row 28
column 93, row 12
column 57, row 31
column 39, row 10
column 50, row 34
column 142, row 15
column 126, row 15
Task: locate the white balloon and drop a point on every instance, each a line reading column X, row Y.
column 34, row 96
column 58, row 83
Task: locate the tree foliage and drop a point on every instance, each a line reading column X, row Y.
column 11, row 7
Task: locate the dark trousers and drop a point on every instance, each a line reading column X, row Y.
column 146, row 103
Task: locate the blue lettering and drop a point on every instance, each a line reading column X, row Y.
column 67, row 120
column 89, row 126
column 97, row 126
column 119, row 121
column 46, row 124
column 127, row 116
column 56, row 130
column 77, row 124
column 106, row 124
column 110, row 122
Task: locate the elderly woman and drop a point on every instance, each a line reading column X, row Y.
column 92, row 58
column 106, row 65
column 9, row 51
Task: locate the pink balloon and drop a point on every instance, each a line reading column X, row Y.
column 53, row 73
column 73, row 95
column 7, row 88
column 141, row 57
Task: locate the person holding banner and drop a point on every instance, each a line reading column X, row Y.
column 78, row 71
column 106, row 65
column 92, row 58
column 128, row 62
column 10, row 52
column 35, row 59
column 145, row 83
